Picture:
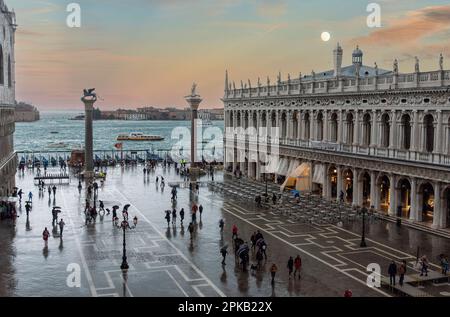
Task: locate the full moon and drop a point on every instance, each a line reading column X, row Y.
column 325, row 36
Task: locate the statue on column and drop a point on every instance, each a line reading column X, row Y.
column 416, row 66
column 441, row 62
column 193, row 89
column 89, row 93
column 279, row 78
column 376, row 69
column 259, row 82
column 268, row 81
column 395, row 66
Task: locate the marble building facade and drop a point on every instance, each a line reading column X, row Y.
column 380, row 137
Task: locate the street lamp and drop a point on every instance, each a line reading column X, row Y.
column 125, row 225
column 363, row 237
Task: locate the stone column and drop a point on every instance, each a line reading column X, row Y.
column 356, row 138
column 339, row 182
column 373, row 194
column 194, row 101
column 356, row 188
column 326, row 185
column 414, row 208
column 89, row 136
column 374, row 141
column 392, row 196
column 339, row 128
column 438, row 135
column 299, row 126
column 437, row 210
column 312, row 125
column 326, row 136
column 393, row 131
column 415, row 131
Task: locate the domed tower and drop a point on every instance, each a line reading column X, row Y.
column 357, row 58
column 337, row 59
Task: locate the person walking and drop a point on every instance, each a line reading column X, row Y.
column 101, row 205
column 45, row 236
column 290, row 266
column 424, row 266
column 168, row 218
column 27, row 208
column 402, row 272
column 298, row 266
column 20, row 193
column 273, row 272
column 224, row 253
column 253, row 241
column 263, row 249
column 30, row 196
column 191, row 230
column 392, row 271
column 259, row 258
column 182, row 215
column 61, row 227
column 174, row 216
column 444, row 264
column 54, row 190
column 194, row 213
column 221, row 225
column 200, row 209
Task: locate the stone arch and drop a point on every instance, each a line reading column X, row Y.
column 295, row 124
column 366, row 129
column 307, row 126
column 428, row 128
column 350, row 126
column 404, row 195
column 383, row 186
column 319, row 130
column 385, row 130
column 446, row 206
column 332, row 176
column 284, row 121
column 334, row 125
column 426, row 201
column 347, row 184
column 405, row 130
column 365, row 180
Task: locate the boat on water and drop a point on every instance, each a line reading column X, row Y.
column 57, row 145
column 54, row 132
column 138, row 136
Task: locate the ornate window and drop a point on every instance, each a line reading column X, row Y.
column 385, row 130
column 429, row 133
column 406, row 132
column 367, row 130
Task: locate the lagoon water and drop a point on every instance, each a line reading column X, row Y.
column 37, row 136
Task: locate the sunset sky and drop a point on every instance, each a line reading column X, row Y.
column 148, row 52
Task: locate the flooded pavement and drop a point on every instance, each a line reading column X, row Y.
column 162, row 259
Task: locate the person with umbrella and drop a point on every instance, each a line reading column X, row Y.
column 242, row 253
column 114, row 213
column 125, row 211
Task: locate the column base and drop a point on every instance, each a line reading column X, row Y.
column 88, row 174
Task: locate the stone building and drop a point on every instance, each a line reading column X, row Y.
column 8, row 158
column 380, row 137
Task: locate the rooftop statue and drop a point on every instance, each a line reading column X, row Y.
column 193, row 89
column 396, row 66
column 416, row 66
column 441, row 62
column 89, row 93
column 376, row 68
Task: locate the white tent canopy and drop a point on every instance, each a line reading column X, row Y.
column 299, row 178
column 319, row 174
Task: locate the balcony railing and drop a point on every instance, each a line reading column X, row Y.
column 350, row 84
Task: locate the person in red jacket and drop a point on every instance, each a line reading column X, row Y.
column 298, row 266
column 45, row 236
column 348, row 293
column 235, row 232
